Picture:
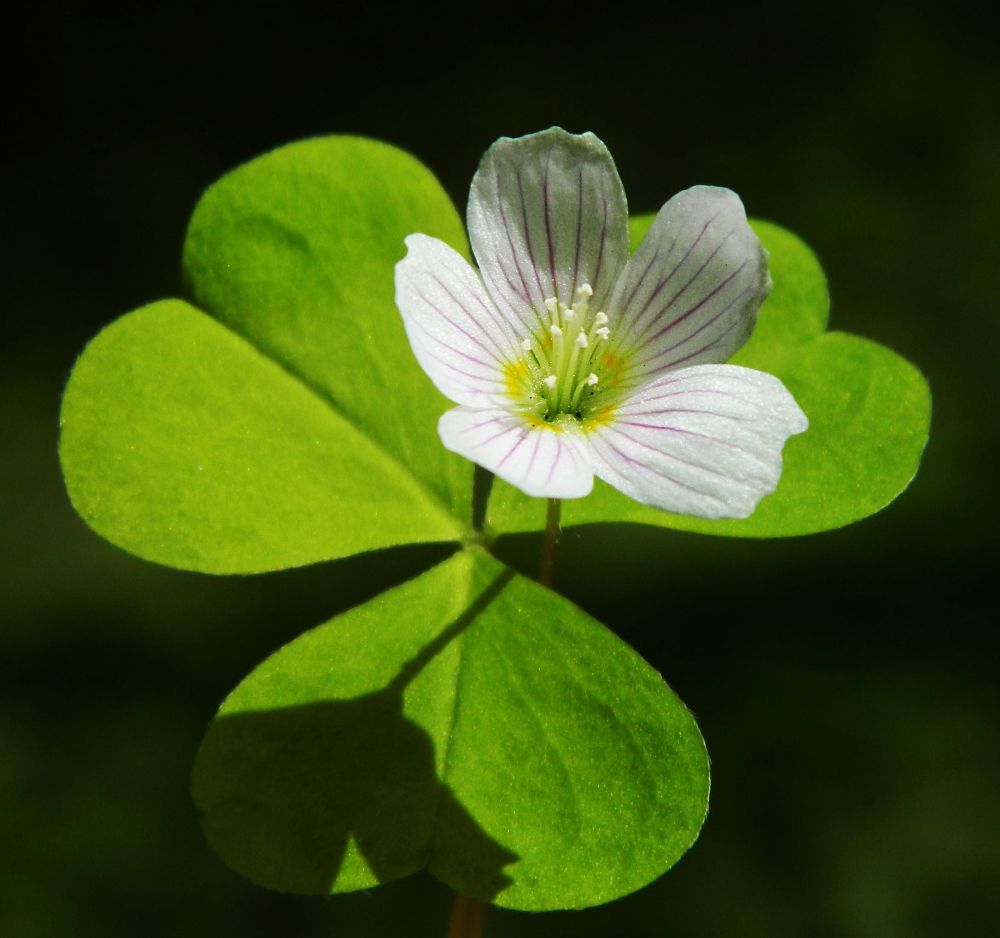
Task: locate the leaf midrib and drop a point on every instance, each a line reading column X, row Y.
column 323, row 398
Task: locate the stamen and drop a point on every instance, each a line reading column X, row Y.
column 590, row 382
column 559, row 369
column 570, row 372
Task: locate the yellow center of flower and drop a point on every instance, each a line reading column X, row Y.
column 560, row 371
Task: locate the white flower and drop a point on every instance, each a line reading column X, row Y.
column 569, row 359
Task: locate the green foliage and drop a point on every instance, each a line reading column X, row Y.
column 295, row 251
column 868, row 410
column 469, row 721
column 183, row 444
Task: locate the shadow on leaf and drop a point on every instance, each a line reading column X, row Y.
column 283, row 792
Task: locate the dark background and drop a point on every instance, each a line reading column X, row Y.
column 845, row 682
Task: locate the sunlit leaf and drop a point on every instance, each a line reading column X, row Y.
column 868, row 409
column 185, row 445
column 469, row 721
column 304, row 429
column 295, row 251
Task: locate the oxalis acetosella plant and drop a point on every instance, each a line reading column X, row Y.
column 345, row 380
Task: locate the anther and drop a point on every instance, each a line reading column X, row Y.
column 592, row 379
column 556, row 331
column 600, row 319
column 581, row 340
column 603, row 332
column 526, row 344
column 549, row 382
column 551, row 305
column 585, row 291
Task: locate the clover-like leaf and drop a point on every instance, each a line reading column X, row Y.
column 868, row 410
column 185, row 445
column 297, row 426
column 295, row 251
column 469, row 721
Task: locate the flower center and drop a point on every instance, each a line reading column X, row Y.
column 559, row 373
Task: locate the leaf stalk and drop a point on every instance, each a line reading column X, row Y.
column 466, row 917
column 550, row 541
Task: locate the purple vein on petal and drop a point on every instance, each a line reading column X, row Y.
column 652, row 260
column 471, row 389
column 642, row 279
column 552, row 468
column 527, row 237
column 502, row 324
column 548, row 227
column 643, row 341
column 651, row 323
column 513, row 254
column 604, row 232
column 500, row 355
column 660, row 452
column 437, row 341
column 698, row 351
column 680, row 410
column 697, row 305
column 661, row 397
column 467, row 374
column 498, row 360
column 494, row 315
column 662, row 475
column 526, row 296
column 534, row 453
column 496, row 436
column 656, row 292
column 483, row 424
column 579, row 233
column 682, row 432
column 514, row 448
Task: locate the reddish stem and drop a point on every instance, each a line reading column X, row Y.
column 550, row 541
column 466, row 917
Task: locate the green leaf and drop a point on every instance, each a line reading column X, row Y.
column 868, row 409
column 183, row 444
column 469, row 721
column 295, row 251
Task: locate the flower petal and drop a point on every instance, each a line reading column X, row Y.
column 703, row 441
column 457, row 334
column 691, row 291
column 547, row 214
column 543, row 460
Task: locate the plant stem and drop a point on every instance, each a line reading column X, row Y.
column 466, row 917
column 547, row 567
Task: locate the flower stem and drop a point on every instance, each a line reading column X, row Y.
column 547, row 567
column 466, row 917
